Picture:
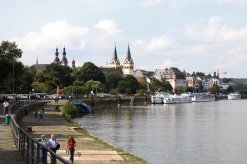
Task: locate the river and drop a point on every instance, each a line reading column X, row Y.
column 205, row 133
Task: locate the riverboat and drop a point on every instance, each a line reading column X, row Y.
column 177, row 99
column 158, row 98
column 234, row 96
column 202, row 97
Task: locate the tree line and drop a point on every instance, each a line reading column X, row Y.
column 18, row 78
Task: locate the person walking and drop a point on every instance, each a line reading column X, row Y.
column 71, row 147
column 43, row 152
column 6, row 107
column 52, row 144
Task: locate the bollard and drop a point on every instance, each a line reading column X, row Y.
column 7, row 119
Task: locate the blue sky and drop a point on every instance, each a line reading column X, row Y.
column 192, row 35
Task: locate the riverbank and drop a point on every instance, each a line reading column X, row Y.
column 90, row 149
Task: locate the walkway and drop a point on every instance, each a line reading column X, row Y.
column 8, row 152
column 89, row 150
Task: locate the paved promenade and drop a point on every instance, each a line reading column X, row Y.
column 89, row 149
column 8, row 152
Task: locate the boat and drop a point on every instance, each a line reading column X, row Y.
column 82, row 107
column 234, row 96
column 202, row 97
column 158, row 98
column 177, row 99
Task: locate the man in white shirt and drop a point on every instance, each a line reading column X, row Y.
column 52, row 144
column 6, row 107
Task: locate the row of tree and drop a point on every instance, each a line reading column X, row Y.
column 17, row 78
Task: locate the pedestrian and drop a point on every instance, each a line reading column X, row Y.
column 71, row 147
column 6, row 107
column 41, row 114
column 43, row 111
column 43, row 152
column 52, row 144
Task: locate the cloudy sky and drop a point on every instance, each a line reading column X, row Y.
column 192, row 35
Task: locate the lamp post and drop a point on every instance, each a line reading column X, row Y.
column 13, row 76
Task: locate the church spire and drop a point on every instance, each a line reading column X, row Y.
column 128, row 64
column 56, row 60
column 64, row 59
column 115, row 63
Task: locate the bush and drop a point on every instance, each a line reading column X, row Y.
column 69, row 110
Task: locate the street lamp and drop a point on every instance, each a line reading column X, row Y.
column 13, row 76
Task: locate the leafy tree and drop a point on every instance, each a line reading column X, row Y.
column 226, row 80
column 179, row 89
column 93, row 85
column 167, row 87
column 198, row 74
column 89, row 71
column 230, row 89
column 10, row 68
column 156, row 85
column 128, row 85
column 55, row 75
column 69, row 110
column 214, row 89
column 112, row 80
column 25, row 81
column 39, row 87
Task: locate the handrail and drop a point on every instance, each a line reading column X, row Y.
column 29, row 148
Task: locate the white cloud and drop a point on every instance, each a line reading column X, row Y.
column 224, row 45
column 234, row 2
column 154, row 44
column 42, row 43
column 152, row 2
column 108, row 27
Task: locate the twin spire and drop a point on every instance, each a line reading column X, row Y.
column 64, row 60
column 128, row 64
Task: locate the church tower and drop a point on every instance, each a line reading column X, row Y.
column 73, row 64
column 128, row 65
column 64, row 59
column 115, row 61
column 56, row 60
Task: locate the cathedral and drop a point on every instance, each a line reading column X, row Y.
column 64, row 60
column 128, row 64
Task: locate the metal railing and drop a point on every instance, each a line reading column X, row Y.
column 31, row 150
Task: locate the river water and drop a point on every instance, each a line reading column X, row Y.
column 193, row 133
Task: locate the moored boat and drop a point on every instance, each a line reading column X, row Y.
column 203, row 97
column 234, row 96
column 158, row 98
column 177, row 99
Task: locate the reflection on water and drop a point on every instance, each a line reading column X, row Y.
column 205, row 133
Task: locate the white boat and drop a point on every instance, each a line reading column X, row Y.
column 234, row 96
column 203, row 97
column 158, row 98
column 177, row 99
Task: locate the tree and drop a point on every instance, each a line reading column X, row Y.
column 89, row 71
column 179, row 89
column 55, row 75
column 214, row 89
column 128, row 85
column 226, row 80
column 10, row 68
column 93, row 85
column 167, row 87
column 112, row 80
